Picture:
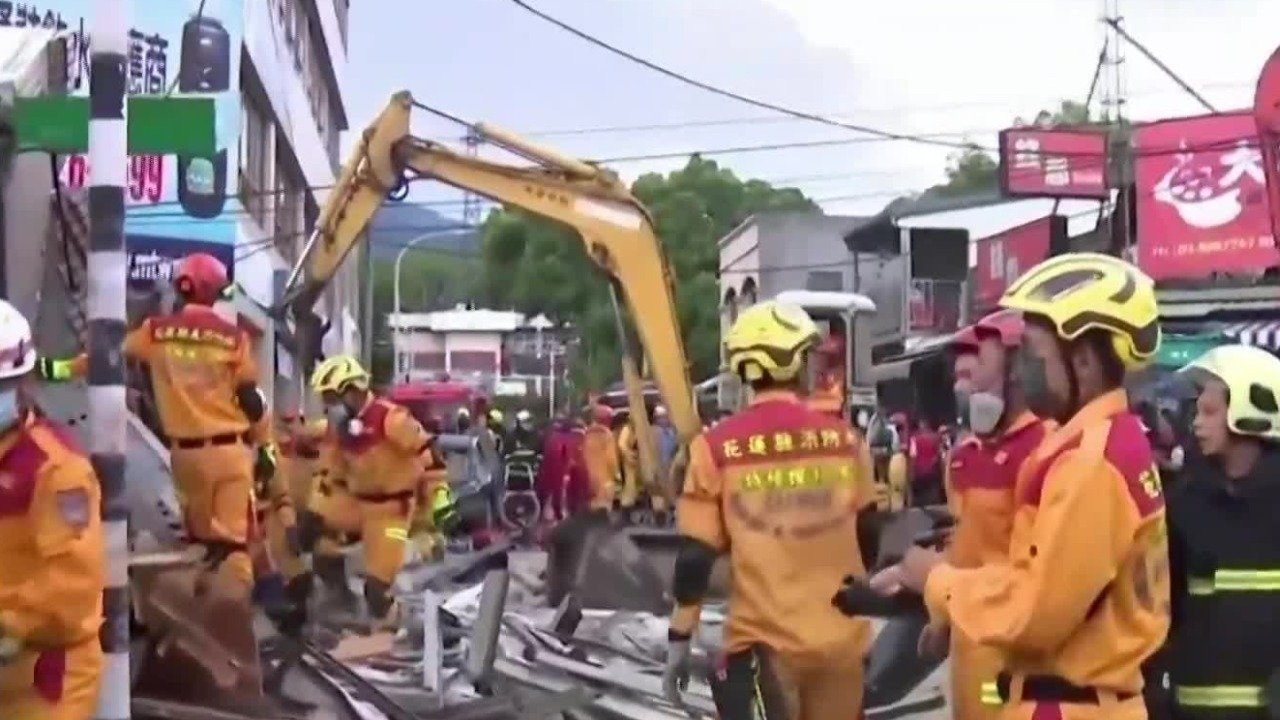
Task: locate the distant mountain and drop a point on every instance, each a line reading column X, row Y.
column 397, row 224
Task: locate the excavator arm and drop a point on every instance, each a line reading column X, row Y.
column 615, row 229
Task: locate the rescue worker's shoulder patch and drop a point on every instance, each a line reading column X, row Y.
column 1129, row 451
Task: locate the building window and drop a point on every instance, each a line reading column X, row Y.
column 290, row 205
column 256, row 160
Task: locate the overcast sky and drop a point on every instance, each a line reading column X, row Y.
column 915, row 66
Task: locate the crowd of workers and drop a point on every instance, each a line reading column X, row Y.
column 1073, row 571
column 1075, row 583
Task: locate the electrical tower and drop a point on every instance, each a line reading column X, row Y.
column 471, row 201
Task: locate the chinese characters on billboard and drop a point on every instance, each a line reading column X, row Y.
column 1036, row 162
column 1201, row 197
column 1001, row 258
column 175, row 205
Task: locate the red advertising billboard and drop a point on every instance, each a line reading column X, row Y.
column 1201, row 197
column 1039, row 162
column 1003, row 257
column 1266, row 115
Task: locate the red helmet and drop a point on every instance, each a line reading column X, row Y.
column 200, row 279
column 965, row 340
column 602, row 414
column 1006, row 325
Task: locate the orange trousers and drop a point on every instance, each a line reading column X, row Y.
column 214, row 485
column 285, row 560
column 973, row 671
column 824, row 692
column 384, row 533
column 53, row 685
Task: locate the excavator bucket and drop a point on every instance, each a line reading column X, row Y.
column 201, row 647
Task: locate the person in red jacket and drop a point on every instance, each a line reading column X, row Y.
column 926, row 475
column 553, row 477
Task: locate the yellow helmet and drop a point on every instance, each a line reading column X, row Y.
column 770, row 339
column 1252, row 377
column 1079, row 292
column 337, row 373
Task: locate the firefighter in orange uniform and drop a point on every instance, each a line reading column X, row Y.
column 779, row 487
column 277, row 524
column 211, row 410
column 383, row 453
column 1084, row 597
column 332, row 518
column 600, row 457
column 828, row 394
column 53, row 572
column 982, row 472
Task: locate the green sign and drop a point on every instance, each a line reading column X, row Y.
column 1178, row 350
column 157, row 125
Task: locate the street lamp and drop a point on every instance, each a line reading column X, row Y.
column 395, row 291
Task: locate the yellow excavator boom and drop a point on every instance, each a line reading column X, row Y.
column 616, row 230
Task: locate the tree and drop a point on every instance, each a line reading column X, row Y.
column 536, row 266
column 973, row 170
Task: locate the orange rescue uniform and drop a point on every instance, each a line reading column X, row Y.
column 828, row 396
column 981, row 477
column 51, row 577
column 197, row 360
column 383, row 464
column 600, row 458
column 331, row 499
column 779, row 487
column 629, row 465
column 1083, row 599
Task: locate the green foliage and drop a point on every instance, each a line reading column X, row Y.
column 537, row 266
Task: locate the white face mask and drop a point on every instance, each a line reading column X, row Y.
column 985, row 412
column 10, row 411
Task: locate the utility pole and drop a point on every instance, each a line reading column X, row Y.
column 470, row 201
column 108, row 413
column 1115, row 97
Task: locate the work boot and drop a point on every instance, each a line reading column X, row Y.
column 383, row 611
column 340, row 604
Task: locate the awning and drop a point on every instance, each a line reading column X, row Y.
column 1264, row 334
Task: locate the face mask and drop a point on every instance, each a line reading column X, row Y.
column 985, row 412
column 9, row 409
column 1034, row 380
column 338, row 415
column 962, row 405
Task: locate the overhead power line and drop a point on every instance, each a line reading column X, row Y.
column 1114, row 22
column 680, row 77
column 775, row 120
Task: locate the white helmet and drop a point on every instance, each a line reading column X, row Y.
column 17, row 351
column 523, row 416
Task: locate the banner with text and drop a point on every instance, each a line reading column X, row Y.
column 1001, row 258
column 1201, row 197
column 1057, row 163
column 180, row 48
